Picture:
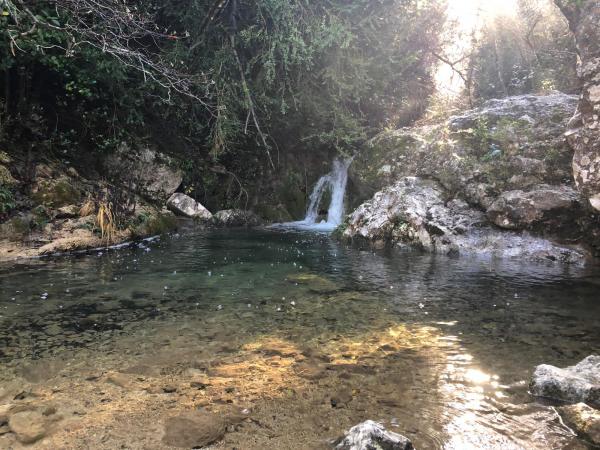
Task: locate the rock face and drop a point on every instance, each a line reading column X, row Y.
column 503, row 166
column 236, row 218
column 507, row 144
column 150, row 173
column 370, row 435
column 186, row 206
column 585, row 421
column 579, row 383
column 416, row 212
column 194, row 430
column 551, row 206
column 584, row 133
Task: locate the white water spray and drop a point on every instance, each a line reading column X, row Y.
column 335, row 181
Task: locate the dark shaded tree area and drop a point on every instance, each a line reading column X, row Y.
column 230, row 77
column 248, row 91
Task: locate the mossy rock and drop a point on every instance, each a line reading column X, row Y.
column 274, row 214
column 56, row 193
column 14, row 229
column 152, row 224
column 315, row 283
column 293, row 197
column 4, row 158
column 6, row 179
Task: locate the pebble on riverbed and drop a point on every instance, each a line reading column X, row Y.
column 194, row 430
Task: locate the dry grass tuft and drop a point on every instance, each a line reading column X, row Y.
column 105, row 220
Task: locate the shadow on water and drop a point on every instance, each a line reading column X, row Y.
column 312, row 335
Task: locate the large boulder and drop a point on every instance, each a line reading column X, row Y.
column 371, row 435
column 506, row 144
column 236, row 218
column 584, row 132
column 417, row 212
column 578, row 383
column 509, row 159
column 551, row 206
column 539, row 111
column 184, row 205
column 411, row 211
column 148, row 172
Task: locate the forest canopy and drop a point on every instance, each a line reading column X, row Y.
column 261, row 77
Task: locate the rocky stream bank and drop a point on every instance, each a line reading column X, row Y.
column 495, row 181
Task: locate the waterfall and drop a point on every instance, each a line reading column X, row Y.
column 334, row 182
column 338, row 181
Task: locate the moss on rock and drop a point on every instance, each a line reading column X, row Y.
column 6, row 179
column 56, row 193
column 152, row 224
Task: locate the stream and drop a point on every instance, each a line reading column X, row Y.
column 304, row 335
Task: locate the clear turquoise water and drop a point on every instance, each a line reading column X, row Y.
column 454, row 339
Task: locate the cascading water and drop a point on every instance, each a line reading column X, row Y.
column 335, row 181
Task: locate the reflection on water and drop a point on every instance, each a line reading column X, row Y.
column 308, row 336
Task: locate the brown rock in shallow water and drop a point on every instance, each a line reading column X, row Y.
column 28, row 426
column 120, row 379
column 584, row 419
column 194, row 429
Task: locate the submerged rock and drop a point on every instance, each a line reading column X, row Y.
column 579, row 383
column 315, row 283
column 185, row 205
column 28, row 426
column 195, row 429
column 236, row 218
column 370, row 435
column 584, row 420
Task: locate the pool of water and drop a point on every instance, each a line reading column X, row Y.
column 303, row 334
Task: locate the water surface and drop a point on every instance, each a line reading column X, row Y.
column 306, row 336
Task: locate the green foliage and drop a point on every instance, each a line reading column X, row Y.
column 481, row 134
column 532, row 52
column 7, row 200
column 322, row 75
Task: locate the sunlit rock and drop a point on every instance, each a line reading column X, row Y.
column 584, row 420
column 579, row 383
column 519, row 136
column 584, row 128
column 370, row 435
column 185, row 205
column 415, row 212
column 510, row 155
